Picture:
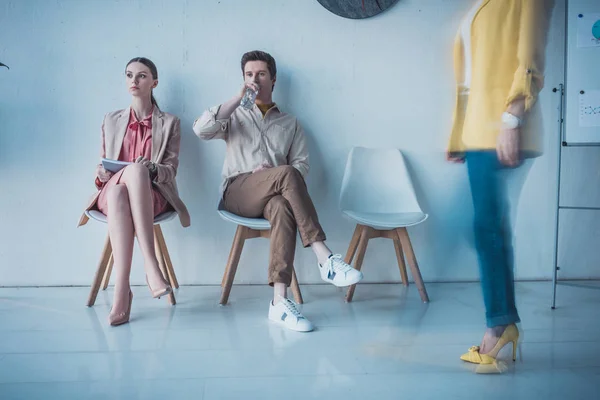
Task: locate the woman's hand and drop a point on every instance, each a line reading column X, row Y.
column 144, row 161
column 148, row 164
column 103, row 175
column 454, row 157
column 508, row 147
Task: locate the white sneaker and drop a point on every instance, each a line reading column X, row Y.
column 286, row 313
column 338, row 273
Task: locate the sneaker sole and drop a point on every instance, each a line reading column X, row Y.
column 281, row 323
column 346, row 284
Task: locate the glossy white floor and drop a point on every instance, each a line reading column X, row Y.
column 384, row 345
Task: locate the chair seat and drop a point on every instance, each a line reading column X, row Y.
column 259, row 224
column 160, row 218
column 384, row 221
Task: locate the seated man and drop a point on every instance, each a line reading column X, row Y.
column 265, row 165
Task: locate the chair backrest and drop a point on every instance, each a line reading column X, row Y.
column 377, row 181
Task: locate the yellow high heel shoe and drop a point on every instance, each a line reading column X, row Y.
column 510, row 335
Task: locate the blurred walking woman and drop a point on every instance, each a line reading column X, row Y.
column 499, row 64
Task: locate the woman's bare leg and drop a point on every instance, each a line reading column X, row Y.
column 139, row 187
column 120, row 229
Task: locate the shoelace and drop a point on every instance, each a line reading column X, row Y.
column 291, row 307
column 338, row 264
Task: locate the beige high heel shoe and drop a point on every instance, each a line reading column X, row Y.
column 123, row 317
column 157, row 294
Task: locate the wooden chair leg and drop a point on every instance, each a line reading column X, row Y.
column 102, row 265
column 232, row 264
column 249, row 233
column 106, row 279
column 226, row 273
column 412, row 263
column 167, row 273
column 362, row 248
column 401, row 263
column 296, row 288
column 161, row 264
column 165, row 250
column 353, row 244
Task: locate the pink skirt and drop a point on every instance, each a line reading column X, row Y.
column 161, row 204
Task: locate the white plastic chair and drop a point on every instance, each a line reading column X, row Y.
column 377, row 193
column 247, row 228
column 104, row 270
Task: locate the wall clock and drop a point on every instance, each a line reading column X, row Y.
column 357, row 9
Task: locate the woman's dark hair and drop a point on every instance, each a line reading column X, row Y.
column 153, row 70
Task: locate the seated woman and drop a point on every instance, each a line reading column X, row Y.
column 148, row 138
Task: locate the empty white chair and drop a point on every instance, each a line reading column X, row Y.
column 377, row 193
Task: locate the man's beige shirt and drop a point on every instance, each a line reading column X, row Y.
column 276, row 139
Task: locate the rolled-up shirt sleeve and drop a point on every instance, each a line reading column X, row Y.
column 528, row 79
column 208, row 127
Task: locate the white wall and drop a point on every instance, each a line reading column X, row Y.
column 385, row 81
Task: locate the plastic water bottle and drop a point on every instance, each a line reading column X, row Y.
column 248, row 99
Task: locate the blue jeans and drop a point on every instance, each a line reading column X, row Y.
column 493, row 238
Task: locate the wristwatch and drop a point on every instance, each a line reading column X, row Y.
column 152, row 169
column 510, row 121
